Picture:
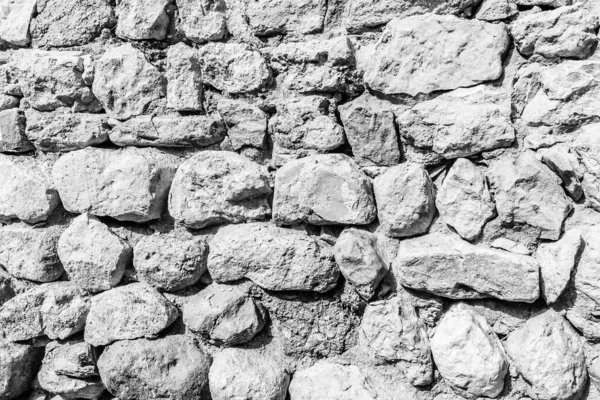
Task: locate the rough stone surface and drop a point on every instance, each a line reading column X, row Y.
column 18, row 365
column 450, row 267
column 494, row 10
column 246, row 123
column 586, row 147
column 563, row 161
column 184, row 76
column 14, row 21
column 142, row 19
column 268, row 17
column 12, row 132
column 557, row 260
column 274, row 258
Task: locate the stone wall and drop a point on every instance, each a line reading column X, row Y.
column 299, row 199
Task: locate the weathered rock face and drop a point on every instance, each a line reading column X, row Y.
column 142, row 19
column 405, row 203
column 224, row 315
column 494, row 10
column 18, row 365
column 549, row 355
column 238, row 373
column 14, row 22
column 268, row 17
column 557, row 260
column 322, row 190
column 563, row 161
column 173, row 367
column 128, row 312
column 215, row 187
column 586, row 146
column 468, row 353
column 246, row 124
column 272, row 257
column 449, row 267
column 422, row 54
column 12, row 132
column 464, row 200
column 184, row 76
column 392, row 331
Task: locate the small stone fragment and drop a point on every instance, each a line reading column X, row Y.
column 511, row 246
column 405, row 203
column 543, row 3
column 247, row 374
column 73, row 357
column 203, row 21
column 142, row 19
column 174, row 367
column 274, row 258
column 586, row 147
column 392, row 331
column 468, row 354
column 549, row 355
column 12, row 132
column 18, row 366
column 495, row 10
column 557, row 260
column 464, row 200
column 426, row 53
column 564, row 163
column 323, row 190
column 453, row 268
column 14, row 21
column 184, row 76
column 271, row 17
column 170, row 262
column 246, row 123
column 215, row 187
column 223, row 314
column 357, row 257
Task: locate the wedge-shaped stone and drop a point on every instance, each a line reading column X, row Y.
column 215, row 187
column 557, row 260
column 549, row 355
column 562, row 159
column 14, row 21
column 450, row 267
column 460, row 123
column 323, row 189
column 468, row 354
column 246, row 123
column 128, row 312
column 269, row 17
column 203, row 21
column 142, row 19
column 426, row 53
column 272, row 257
column 18, row 365
column 12, row 132
column 184, row 76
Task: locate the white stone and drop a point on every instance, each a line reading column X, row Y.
column 268, row 17
column 142, row 19
column 184, row 76
column 15, row 16
column 557, row 260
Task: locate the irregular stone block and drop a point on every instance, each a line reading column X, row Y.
column 586, row 147
column 494, row 10
column 272, row 257
column 174, row 367
column 14, row 21
column 142, row 19
column 557, row 260
column 215, row 187
column 12, row 132
column 450, row 267
column 203, row 21
column 128, row 312
column 184, row 76
column 405, row 203
column 426, row 53
column 73, row 358
column 564, row 163
column 246, row 123
column 323, row 189
column 543, row 3
column 270, row 17
column 18, row 366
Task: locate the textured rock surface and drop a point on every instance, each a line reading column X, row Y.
column 142, row 19
column 267, row 17
column 557, row 260
column 12, row 132
column 246, row 123
column 563, row 161
column 203, row 21
column 14, row 22
column 586, row 147
column 184, row 76
column 18, row 365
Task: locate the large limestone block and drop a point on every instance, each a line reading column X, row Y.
column 184, row 76
column 323, row 190
column 450, row 267
column 557, row 260
column 18, row 365
column 215, row 187
column 426, row 53
column 268, row 17
column 272, row 257
column 15, row 17
column 142, row 19
column 246, row 123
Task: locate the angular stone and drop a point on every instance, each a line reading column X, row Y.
column 142, row 19
column 464, row 200
column 564, row 32
column 57, row 310
column 174, row 367
column 18, row 365
column 168, row 131
column 65, row 131
column 215, row 187
column 30, row 253
column 323, row 189
column 247, row 374
column 93, row 256
column 557, row 260
column 369, row 126
column 405, row 203
column 126, row 83
column 426, row 53
column 450, row 267
column 73, row 358
column 184, row 76
column 359, row 261
column 494, row 10
column 129, row 185
column 25, row 191
column 246, row 123
column 234, row 67
column 15, row 16
column 314, row 66
column 564, row 163
column 223, row 315
column 12, row 132
column 549, row 355
column 70, row 23
column 468, row 354
column 505, row 317
column 128, row 312
column 203, row 21
column 527, row 192
column 271, row 17
column 272, row 257
column 586, row 147
column 170, row 262
column 392, row 332
column 460, row 123
column 511, row 246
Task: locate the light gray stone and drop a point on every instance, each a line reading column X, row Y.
column 269, row 17
column 511, row 246
column 405, row 203
column 272, row 257
column 128, row 312
column 73, row 358
column 564, row 163
column 203, row 21
column 246, row 123
column 586, row 147
column 557, row 260
column 142, row 19
column 422, row 54
column 14, row 21
column 12, row 132
column 543, row 3
column 494, row 10
column 450, row 267
column 184, row 76
column 215, row 187
column 18, row 365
